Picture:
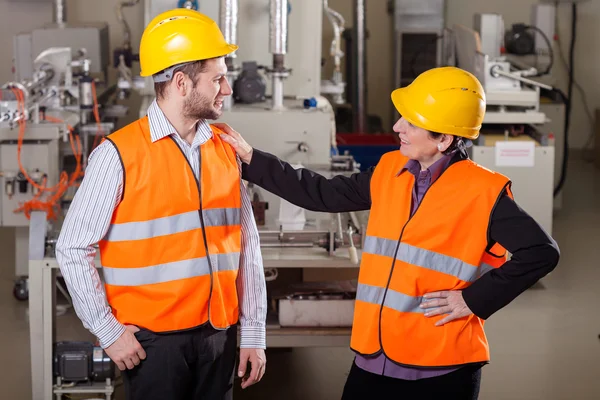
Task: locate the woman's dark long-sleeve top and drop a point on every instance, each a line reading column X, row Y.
column 534, row 252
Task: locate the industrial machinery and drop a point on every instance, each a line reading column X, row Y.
column 48, row 124
column 63, row 368
column 54, row 112
column 513, row 140
column 51, row 116
column 81, row 362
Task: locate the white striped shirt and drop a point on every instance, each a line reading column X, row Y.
column 88, row 220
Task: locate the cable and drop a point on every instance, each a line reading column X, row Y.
column 569, row 96
column 123, row 21
column 586, row 106
column 550, row 49
column 96, row 116
column 50, row 205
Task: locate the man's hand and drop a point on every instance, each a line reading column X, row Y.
column 241, row 147
column 446, row 302
column 126, row 352
column 258, row 361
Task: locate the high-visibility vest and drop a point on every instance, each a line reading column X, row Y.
column 170, row 258
column 441, row 247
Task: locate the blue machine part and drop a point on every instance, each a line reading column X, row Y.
column 181, row 4
column 310, row 103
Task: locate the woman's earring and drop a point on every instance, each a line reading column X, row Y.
column 439, row 146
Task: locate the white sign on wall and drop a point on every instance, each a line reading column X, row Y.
column 515, row 154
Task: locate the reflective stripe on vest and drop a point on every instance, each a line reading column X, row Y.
column 425, row 259
column 171, row 271
column 173, row 224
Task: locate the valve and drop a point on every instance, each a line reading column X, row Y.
column 191, row 4
column 36, row 176
column 303, row 147
column 9, row 184
column 22, row 182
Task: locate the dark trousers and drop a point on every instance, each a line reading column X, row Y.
column 192, row 365
column 462, row 384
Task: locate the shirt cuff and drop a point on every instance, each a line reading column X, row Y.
column 253, row 337
column 109, row 331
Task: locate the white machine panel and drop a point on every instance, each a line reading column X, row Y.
column 532, row 187
column 282, row 133
column 516, row 117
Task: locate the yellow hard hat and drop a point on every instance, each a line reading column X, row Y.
column 179, row 36
column 445, row 100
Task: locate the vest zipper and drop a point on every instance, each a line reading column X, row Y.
column 210, row 266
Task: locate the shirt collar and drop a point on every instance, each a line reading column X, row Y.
column 160, row 127
column 435, row 170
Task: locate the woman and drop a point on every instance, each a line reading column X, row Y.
column 434, row 264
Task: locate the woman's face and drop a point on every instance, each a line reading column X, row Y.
column 415, row 142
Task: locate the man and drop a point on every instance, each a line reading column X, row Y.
column 163, row 198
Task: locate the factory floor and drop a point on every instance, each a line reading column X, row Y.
column 544, row 345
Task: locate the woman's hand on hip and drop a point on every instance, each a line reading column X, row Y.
column 446, row 302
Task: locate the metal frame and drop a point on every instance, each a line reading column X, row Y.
column 42, row 315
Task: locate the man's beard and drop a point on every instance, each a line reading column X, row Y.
column 200, row 107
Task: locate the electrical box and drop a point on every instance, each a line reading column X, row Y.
column 39, row 156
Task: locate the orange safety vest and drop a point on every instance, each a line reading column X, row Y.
column 170, row 258
column 443, row 246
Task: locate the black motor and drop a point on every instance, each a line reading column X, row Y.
column 519, row 41
column 250, row 87
column 82, row 362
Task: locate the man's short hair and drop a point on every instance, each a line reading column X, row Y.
column 192, row 70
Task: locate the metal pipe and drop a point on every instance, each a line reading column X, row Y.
column 123, row 21
column 339, row 227
column 228, row 16
column 337, row 22
column 277, row 92
column 278, row 27
column 360, row 60
column 496, row 71
column 60, row 12
column 229, row 21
